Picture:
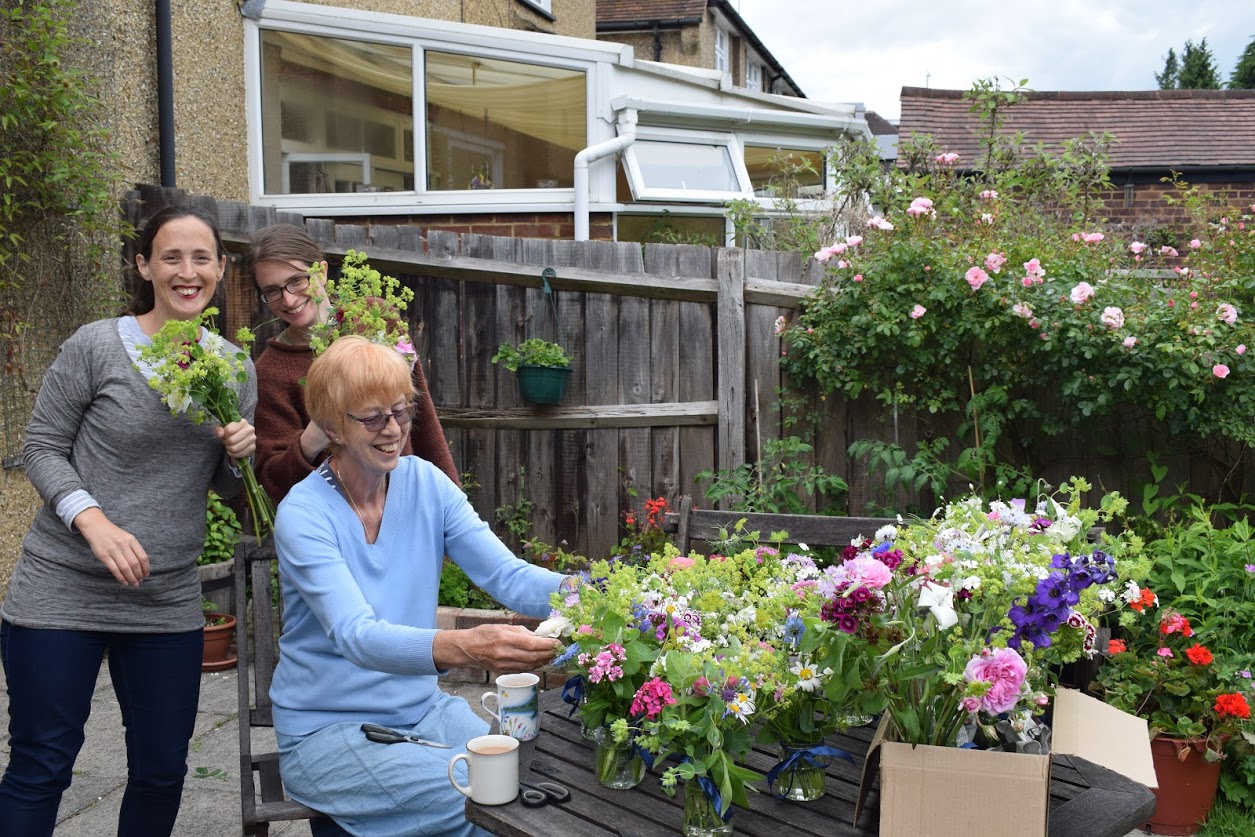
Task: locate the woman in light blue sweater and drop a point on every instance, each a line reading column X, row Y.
column 361, row 542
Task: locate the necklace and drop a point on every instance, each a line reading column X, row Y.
column 345, row 488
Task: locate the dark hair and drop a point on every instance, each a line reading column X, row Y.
column 142, row 299
column 283, row 243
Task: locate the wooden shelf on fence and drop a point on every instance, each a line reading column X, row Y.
column 605, row 416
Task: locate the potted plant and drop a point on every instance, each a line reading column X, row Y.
column 219, row 628
column 1197, row 698
column 213, row 566
column 542, row 367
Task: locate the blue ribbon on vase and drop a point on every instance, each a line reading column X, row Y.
column 573, row 693
column 708, row 787
column 811, row 756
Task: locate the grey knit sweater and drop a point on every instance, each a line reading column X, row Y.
column 99, row 427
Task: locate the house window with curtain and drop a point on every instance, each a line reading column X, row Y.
column 497, row 124
column 335, row 115
column 338, row 116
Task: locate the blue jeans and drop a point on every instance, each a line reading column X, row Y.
column 51, row 676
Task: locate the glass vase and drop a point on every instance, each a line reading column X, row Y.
column 803, row 780
column 701, row 817
column 588, row 732
column 617, row 764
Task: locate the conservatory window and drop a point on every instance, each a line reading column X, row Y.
column 685, row 166
column 335, row 115
column 785, row 172
column 497, row 124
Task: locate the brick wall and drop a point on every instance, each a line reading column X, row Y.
column 458, row 618
column 1142, row 207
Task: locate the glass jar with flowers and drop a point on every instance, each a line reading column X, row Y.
column 1162, row 668
column 986, row 604
column 610, row 651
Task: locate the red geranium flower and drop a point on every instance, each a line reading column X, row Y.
column 1199, row 655
column 1116, row 646
column 1232, row 705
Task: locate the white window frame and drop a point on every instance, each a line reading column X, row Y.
column 639, row 183
column 545, row 6
column 419, row 35
column 721, row 49
column 753, row 75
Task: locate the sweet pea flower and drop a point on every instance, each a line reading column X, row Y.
column 976, row 277
column 921, row 206
column 1226, row 313
column 1082, row 292
column 1129, row 342
column 1137, row 248
column 918, row 311
column 1195, row 244
column 1220, row 370
column 555, row 627
column 994, row 262
column 1112, row 317
column 880, row 224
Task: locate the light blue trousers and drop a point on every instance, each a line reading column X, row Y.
column 386, row 790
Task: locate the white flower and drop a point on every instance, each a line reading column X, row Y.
column 886, row 533
column 179, row 402
column 939, row 600
column 555, row 627
column 808, row 678
column 742, row 706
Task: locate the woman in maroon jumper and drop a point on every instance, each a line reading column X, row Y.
column 289, row 445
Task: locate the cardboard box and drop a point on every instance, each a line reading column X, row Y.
column 948, row 792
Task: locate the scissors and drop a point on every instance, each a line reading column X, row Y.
column 387, row 735
column 538, row 794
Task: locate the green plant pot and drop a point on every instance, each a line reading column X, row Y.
column 542, row 384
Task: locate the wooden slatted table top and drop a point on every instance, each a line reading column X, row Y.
column 1086, row 800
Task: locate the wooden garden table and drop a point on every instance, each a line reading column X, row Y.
column 1086, row 800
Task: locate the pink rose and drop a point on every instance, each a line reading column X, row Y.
column 1241, row 349
column 1129, row 342
column 1220, row 370
column 680, row 562
column 868, row 572
column 1226, row 313
column 1195, row 244
column 994, row 262
column 1004, row 670
column 976, row 277
column 1081, row 292
column 921, row 206
column 1137, row 248
column 918, row 311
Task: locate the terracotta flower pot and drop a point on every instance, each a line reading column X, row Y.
column 219, row 629
column 1187, row 786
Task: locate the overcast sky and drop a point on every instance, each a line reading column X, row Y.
column 868, row 50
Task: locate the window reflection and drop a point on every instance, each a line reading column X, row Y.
column 785, row 172
column 337, row 115
column 496, row 124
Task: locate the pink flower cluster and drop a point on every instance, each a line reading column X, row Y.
column 921, row 206
column 605, row 663
column 837, row 248
column 651, row 697
column 976, row 277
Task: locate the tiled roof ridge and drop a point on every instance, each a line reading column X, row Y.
column 1091, row 95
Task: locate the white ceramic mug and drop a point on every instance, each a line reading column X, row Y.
column 518, row 705
column 492, row 762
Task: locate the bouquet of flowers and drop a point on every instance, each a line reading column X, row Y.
column 197, row 376
column 368, row 304
column 984, row 605
column 1161, row 669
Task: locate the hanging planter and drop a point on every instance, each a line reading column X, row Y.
column 542, row 366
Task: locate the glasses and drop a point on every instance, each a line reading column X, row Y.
column 379, row 421
column 293, row 286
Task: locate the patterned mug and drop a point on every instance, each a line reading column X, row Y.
column 518, row 707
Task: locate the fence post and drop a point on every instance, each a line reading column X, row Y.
column 730, row 334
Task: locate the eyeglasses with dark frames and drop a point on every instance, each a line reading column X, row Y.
column 379, row 421
column 293, row 286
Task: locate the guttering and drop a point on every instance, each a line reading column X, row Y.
column 627, row 136
column 165, row 93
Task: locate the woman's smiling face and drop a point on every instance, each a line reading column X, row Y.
column 185, row 269
column 299, row 308
column 376, row 451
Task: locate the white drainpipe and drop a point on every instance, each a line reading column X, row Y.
column 627, row 135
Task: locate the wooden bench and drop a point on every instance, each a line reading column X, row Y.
column 690, row 524
column 262, row 797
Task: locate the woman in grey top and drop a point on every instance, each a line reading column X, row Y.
column 109, row 562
